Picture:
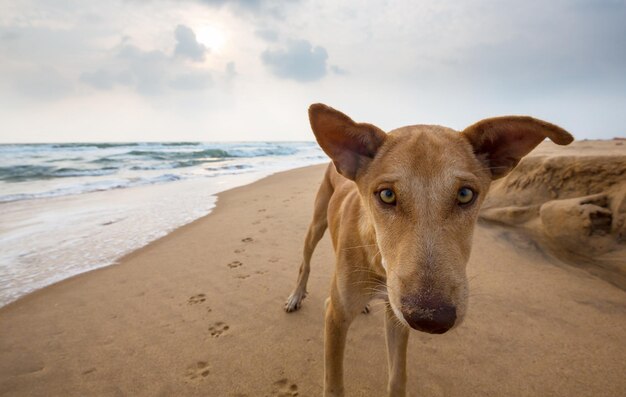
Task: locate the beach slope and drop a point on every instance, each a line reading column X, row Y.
column 200, row 313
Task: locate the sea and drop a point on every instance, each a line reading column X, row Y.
column 69, row 208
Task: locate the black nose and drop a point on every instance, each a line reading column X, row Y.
column 434, row 319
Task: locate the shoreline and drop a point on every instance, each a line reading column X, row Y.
column 128, row 255
column 99, row 228
column 190, row 312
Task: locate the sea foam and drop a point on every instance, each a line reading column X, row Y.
column 70, row 208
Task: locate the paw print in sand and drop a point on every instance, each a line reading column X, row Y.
column 234, row 264
column 283, row 388
column 194, row 300
column 197, row 371
column 218, row 329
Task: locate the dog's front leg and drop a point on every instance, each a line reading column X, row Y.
column 336, row 329
column 397, row 337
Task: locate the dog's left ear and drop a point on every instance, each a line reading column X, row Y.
column 501, row 142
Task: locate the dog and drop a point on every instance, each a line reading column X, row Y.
column 401, row 209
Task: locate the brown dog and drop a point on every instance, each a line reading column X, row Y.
column 401, row 209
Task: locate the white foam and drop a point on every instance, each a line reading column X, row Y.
column 46, row 240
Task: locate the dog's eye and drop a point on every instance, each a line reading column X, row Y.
column 465, row 196
column 387, row 196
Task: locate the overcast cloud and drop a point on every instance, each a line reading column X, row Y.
column 187, row 44
column 299, row 61
column 248, row 69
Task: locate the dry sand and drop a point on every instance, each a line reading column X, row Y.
column 200, row 312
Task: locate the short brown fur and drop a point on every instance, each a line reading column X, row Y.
column 411, row 254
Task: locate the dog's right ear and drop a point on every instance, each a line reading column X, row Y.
column 350, row 145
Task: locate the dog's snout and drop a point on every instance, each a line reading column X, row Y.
column 432, row 316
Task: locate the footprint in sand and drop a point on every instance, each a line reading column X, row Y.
column 218, row 329
column 197, row 371
column 273, row 259
column 243, row 276
column 247, row 240
column 282, row 388
column 262, row 210
column 239, row 250
column 234, row 264
column 194, row 300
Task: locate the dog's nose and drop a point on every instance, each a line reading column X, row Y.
column 431, row 318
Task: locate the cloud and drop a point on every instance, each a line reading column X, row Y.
column 562, row 60
column 191, row 81
column 100, row 79
column 240, row 3
column 147, row 71
column 37, row 62
column 154, row 72
column 187, row 45
column 231, row 72
column 267, row 35
column 9, row 36
column 256, row 9
column 299, row 61
column 43, row 83
column 337, row 70
column 150, row 73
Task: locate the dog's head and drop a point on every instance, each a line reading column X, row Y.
column 422, row 187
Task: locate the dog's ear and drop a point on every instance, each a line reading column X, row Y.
column 350, row 145
column 501, row 142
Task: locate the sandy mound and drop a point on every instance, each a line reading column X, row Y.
column 572, row 202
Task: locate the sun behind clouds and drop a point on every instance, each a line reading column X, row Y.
column 212, row 37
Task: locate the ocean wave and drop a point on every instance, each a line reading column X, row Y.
column 93, row 145
column 263, row 151
column 19, row 173
column 162, row 155
column 104, row 160
column 75, row 168
column 69, row 172
column 92, row 187
column 104, row 145
column 180, row 143
column 64, row 160
column 230, row 167
column 212, row 153
column 22, row 173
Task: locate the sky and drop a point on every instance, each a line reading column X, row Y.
column 220, row 70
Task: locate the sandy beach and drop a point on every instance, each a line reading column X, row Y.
column 199, row 312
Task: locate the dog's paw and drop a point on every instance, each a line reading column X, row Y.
column 294, row 302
